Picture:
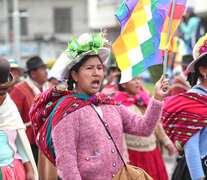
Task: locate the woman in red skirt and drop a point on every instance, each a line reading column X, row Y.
column 143, row 151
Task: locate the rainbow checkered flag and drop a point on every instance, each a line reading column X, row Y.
column 137, row 47
column 177, row 17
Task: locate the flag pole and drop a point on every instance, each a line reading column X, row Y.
column 168, row 37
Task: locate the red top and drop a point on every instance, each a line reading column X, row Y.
column 183, row 116
column 22, row 95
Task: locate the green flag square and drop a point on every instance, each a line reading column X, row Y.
column 152, row 27
column 147, row 48
column 153, row 5
column 137, row 69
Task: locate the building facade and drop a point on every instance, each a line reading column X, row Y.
column 101, row 17
column 46, row 26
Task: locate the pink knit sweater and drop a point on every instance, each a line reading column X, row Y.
column 82, row 146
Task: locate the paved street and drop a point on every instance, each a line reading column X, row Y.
column 170, row 163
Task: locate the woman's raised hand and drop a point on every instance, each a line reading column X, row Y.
column 162, row 88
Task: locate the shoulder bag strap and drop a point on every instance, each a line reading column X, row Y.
column 109, row 135
column 201, row 89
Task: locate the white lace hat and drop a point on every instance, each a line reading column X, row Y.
column 87, row 44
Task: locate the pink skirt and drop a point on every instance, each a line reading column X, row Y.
column 151, row 161
column 16, row 171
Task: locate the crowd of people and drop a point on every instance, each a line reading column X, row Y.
column 75, row 121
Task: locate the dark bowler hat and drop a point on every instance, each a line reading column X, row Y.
column 186, row 60
column 6, row 77
column 33, row 63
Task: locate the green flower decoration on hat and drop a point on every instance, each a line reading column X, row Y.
column 85, row 43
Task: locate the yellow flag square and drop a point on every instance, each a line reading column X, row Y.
column 146, row 2
column 131, row 40
column 123, row 61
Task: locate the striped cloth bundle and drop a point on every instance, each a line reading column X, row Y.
column 137, row 47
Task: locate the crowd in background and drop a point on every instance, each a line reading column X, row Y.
column 144, row 152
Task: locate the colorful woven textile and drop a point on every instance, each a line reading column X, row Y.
column 137, row 47
column 110, row 89
column 183, row 116
column 1, row 176
column 125, row 99
column 50, row 107
column 177, row 17
column 180, row 48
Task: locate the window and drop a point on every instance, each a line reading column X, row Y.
column 62, row 20
column 23, row 22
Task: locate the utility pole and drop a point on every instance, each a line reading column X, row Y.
column 16, row 31
column 6, row 23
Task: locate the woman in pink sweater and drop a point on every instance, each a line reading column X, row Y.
column 82, row 147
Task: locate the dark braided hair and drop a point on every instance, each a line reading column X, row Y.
column 76, row 68
column 194, row 76
column 120, row 88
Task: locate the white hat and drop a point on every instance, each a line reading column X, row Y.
column 199, row 51
column 87, row 44
column 13, row 64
